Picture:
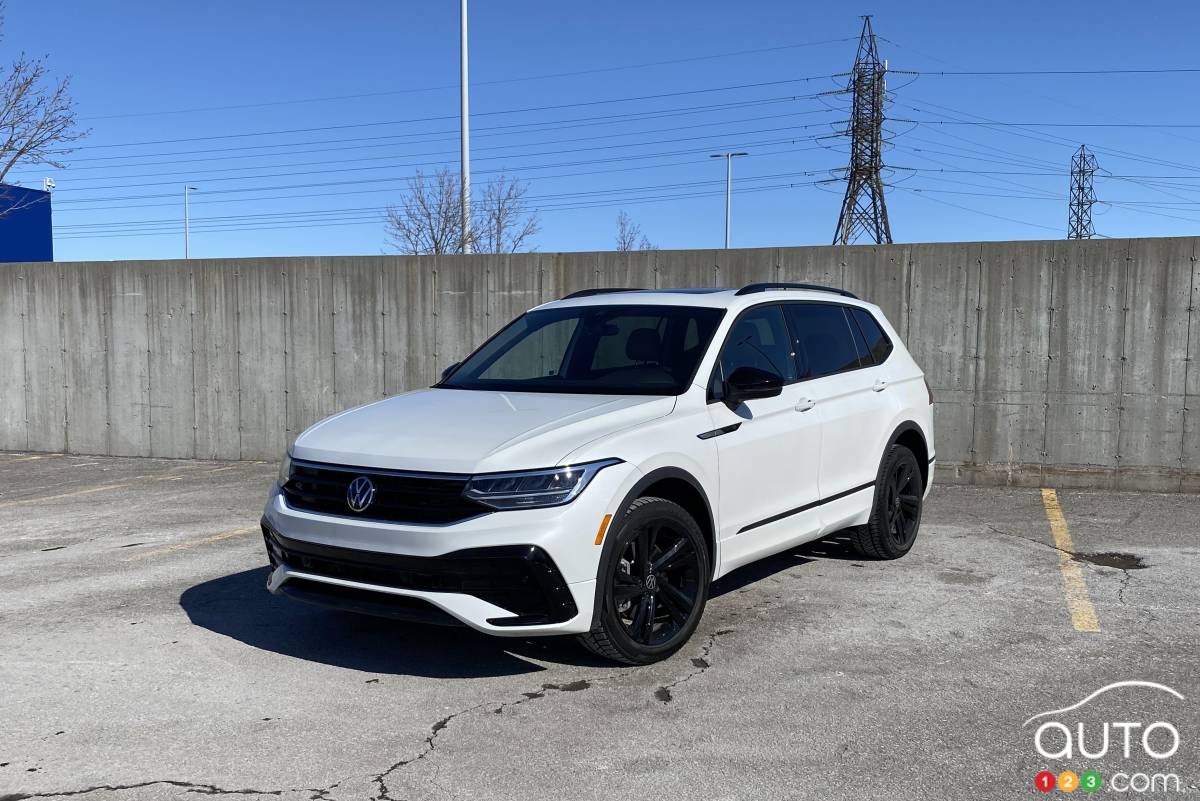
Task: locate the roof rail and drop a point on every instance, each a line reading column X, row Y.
column 587, row 293
column 749, row 289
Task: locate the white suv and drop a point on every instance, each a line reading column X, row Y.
column 596, row 464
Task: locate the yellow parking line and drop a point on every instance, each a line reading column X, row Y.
column 224, row 535
column 1083, row 614
column 222, row 469
column 88, row 491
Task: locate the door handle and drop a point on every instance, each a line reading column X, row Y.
column 880, row 385
column 805, row 404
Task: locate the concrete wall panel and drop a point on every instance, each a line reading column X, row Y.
column 410, row 306
column 1010, row 396
column 815, row 265
column 881, row 276
column 943, row 330
column 87, row 295
column 171, row 304
column 1156, row 343
column 1190, row 480
column 216, row 363
column 358, row 343
column 1087, row 329
column 308, row 287
column 683, row 268
column 514, row 287
column 46, row 404
column 261, row 338
column 14, row 435
column 129, row 412
column 463, row 320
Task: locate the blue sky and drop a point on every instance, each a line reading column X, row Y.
column 223, row 96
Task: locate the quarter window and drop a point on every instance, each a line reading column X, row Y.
column 877, row 341
column 823, row 337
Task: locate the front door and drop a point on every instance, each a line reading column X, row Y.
column 767, row 449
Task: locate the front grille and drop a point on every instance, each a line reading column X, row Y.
column 429, row 499
column 522, row 579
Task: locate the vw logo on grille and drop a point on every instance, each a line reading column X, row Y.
column 360, row 493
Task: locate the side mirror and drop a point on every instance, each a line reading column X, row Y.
column 751, row 383
column 446, row 373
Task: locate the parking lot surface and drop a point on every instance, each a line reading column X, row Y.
column 142, row 658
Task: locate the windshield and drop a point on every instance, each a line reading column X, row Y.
column 602, row 350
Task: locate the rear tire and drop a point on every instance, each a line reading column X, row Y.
column 895, row 517
column 654, row 584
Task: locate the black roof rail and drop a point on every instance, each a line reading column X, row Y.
column 749, row 289
column 587, row 293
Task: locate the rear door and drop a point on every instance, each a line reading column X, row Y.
column 767, row 449
column 839, row 373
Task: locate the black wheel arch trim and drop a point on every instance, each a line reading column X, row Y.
column 638, row 490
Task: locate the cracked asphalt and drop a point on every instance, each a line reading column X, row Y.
column 142, row 658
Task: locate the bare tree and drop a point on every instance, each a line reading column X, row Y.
column 630, row 236
column 37, row 115
column 504, row 222
column 428, row 220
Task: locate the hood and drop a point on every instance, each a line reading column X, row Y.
column 467, row 431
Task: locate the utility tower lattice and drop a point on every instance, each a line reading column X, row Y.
column 1083, row 195
column 863, row 208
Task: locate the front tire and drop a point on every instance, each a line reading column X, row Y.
column 654, row 584
column 896, row 511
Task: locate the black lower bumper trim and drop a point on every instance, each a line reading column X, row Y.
column 367, row 602
column 521, row 579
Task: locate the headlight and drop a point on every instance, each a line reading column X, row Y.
column 285, row 469
column 530, row 489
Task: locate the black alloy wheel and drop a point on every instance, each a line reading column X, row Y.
column 896, row 512
column 902, row 501
column 655, row 584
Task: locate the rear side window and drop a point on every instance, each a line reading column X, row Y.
column 877, row 341
column 823, row 337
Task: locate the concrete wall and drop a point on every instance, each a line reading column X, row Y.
column 1060, row 363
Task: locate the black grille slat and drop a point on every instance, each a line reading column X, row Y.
column 430, row 499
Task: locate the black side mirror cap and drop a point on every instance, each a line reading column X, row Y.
column 750, row 383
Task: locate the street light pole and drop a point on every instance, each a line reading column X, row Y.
column 464, row 115
column 186, row 221
column 729, row 157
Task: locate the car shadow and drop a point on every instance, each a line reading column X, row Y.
column 239, row 606
column 835, row 546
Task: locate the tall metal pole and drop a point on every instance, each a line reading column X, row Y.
column 186, row 222
column 465, row 167
column 728, row 186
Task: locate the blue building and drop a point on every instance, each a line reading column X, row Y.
column 26, row 230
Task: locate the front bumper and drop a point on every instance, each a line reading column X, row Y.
column 510, row 573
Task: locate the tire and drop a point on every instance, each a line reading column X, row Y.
column 895, row 517
column 650, row 607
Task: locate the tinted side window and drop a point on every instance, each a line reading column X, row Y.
column 824, row 338
column 758, row 339
column 877, row 341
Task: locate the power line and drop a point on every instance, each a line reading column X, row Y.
column 493, row 82
column 194, row 174
column 444, row 117
column 1018, row 73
